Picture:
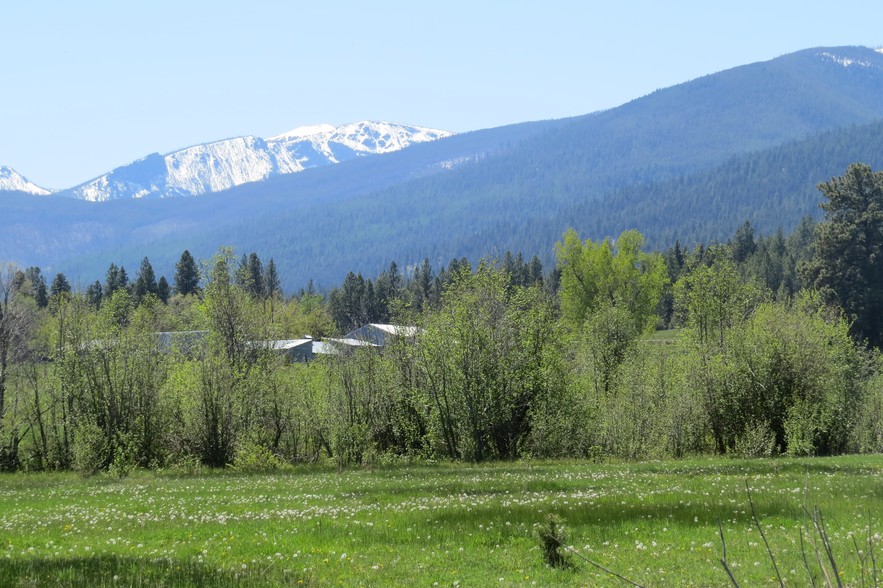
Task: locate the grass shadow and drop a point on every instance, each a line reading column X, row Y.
column 114, row 571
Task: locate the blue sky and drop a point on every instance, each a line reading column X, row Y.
column 88, row 86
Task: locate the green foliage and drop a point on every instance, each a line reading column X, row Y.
column 606, row 274
column 125, row 455
column 714, row 299
column 499, row 368
column 91, row 452
column 785, row 376
column 251, row 457
column 116, row 279
column 847, row 268
column 759, row 440
column 608, row 337
column 486, row 360
column 867, row 436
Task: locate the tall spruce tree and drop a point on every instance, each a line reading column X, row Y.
column 272, row 287
column 250, row 275
column 186, row 275
column 145, row 283
column 163, row 291
column 847, row 265
column 94, row 294
column 38, row 285
column 116, row 279
column 60, row 285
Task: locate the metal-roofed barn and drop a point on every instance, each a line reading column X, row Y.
column 381, row 335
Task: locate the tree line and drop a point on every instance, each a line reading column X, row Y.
column 762, row 345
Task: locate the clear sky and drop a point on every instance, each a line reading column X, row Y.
column 91, row 85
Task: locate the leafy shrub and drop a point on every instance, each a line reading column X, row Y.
column 124, row 456
column 251, row 457
column 90, row 448
column 756, row 441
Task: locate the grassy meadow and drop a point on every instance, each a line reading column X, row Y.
column 445, row 524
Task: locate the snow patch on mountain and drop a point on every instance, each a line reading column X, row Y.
column 304, row 131
column 12, row 180
column 845, row 61
column 216, row 166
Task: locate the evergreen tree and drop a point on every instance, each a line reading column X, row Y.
column 242, row 276
column 116, row 279
column 349, row 305
column 250, row 275
column 59, row 285
column 272, row 286
column 256, row 275
column 186, row 275
column 163, row 291
column 94, row 294
column 847, row 267
column 38, row 286
column 743, row 243
column 421, row 285
column 387, row 290
column 145, row 283
column 535, row 271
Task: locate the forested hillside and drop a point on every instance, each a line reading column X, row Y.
column 690, row 162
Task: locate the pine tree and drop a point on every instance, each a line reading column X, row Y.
column 60, row 285
column 271, row 280
column 145, row 283
column 186, row 275
column 847, row 268
column 243, row 275
column 421, row 285
column 387, row 290
column 743, row 243
column 255, row 276
column 94, row 294
column 535, row 271
column 116, row 279
column 37, row 286
column 250, row 275
column 163, row 291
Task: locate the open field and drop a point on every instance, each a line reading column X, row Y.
column 450, row 524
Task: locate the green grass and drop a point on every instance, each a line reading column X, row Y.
column 655, row 523
column 661, row 337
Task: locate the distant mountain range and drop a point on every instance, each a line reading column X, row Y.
column 216, row 166
column 690, row 162
column 11, row 180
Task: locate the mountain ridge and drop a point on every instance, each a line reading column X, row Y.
column 12, row 181
column 219, row 165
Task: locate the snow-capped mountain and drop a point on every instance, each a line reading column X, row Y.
column 12, row 180
column 212, row 167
